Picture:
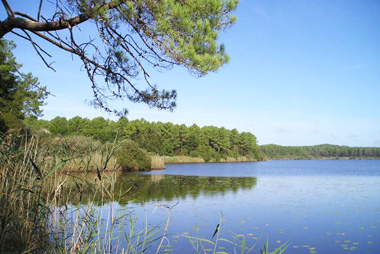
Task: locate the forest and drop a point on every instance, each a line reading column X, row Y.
column 163, row 139
column 324, row 151
column 140, row 140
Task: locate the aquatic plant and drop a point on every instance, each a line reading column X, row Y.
column 221, row 245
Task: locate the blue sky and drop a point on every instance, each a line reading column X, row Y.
column 301, row 73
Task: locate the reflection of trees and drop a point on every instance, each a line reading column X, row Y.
column 143, row 188
column 148, row 188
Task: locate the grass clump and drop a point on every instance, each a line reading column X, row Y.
column 157, row 162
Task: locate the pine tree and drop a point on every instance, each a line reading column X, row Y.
column 132, row 38
column 20, row 94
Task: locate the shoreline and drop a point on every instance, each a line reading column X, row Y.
column 167, row 160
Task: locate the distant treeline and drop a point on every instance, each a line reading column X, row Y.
column 319, row 152
column 165, row 139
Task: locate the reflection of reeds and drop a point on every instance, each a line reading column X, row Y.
column 157, row 178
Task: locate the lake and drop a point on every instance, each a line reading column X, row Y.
column 326, row 206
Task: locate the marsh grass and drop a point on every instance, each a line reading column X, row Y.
column 182, row 159
column 157, row 162
column 24, row 195
column 83, row 154
column 37, row 214
column 90, row 162
column 189, row 159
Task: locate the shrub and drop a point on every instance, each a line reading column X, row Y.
column 131, row 157
column 194, row 154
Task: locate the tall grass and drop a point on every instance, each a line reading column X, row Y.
column 157, row 162
column 182, row 159
column 189, row 159
column 81, row 154
column 37, row 214
column 24, row 195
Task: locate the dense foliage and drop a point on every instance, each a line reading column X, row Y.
column 20, row 94
column 131, row 157
column 122, row 40
column 210, row 143
column 319, row 152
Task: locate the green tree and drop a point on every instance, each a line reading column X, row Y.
column 132, row 36
column 20, row 94
column 58, row 126
column 248, row 145
column 194, row 140
column 99, row 128
column 77, row 125
column 168, row 136
column 131, row 157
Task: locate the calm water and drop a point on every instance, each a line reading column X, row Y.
column 315, row 206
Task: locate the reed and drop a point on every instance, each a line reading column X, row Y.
column 82, row 154
column 24, row 195
column 182, row 159
column 90, row 162
column 157, row 162
column 189, row 159
column 36, row 215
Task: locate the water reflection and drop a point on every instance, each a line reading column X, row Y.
column 317, row 206
column 139, row 188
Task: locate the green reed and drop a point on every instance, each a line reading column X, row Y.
column 38, row 211
column 24, row 194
